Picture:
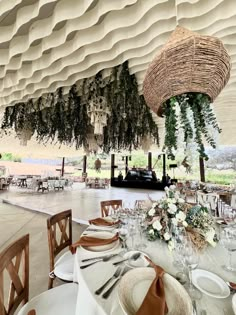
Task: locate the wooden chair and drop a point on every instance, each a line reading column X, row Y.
column 14, row 266
column 107, row 205
column 14, row 283
column 59, row 228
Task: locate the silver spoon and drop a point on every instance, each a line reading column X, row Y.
column 133, row 257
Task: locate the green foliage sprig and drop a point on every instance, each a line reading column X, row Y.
column 64, row 119
column 203, row 117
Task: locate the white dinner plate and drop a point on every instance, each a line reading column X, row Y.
column 210, row 284
column 103, row 248
column 140, row 262
column 135, row 283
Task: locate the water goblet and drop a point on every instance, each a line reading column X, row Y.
column 192, row 261
column 229, row 215
column 132, row 230
column 228, row 240
column 142, row 225
column 123, row 233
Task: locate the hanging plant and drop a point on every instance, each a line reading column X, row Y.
column 64, row 119
column 130, row 118
column 195, row 118
column 183, row 75
column 80, row 118
column 42, row 118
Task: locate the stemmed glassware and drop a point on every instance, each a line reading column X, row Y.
column 228, row 240
column 191, row 261
column 186, row 257
column 123, row 233
column 142, row 224
column 229, row 215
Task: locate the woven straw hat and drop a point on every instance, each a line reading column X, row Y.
column 189, row 62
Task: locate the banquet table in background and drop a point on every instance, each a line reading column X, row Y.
column 93, row 277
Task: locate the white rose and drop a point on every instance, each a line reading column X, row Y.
column 171, row 245
column 180, row 216
column 157, row 225
column 166, row 189
column 151, row 212
column 174, row 221
column 172, row 187
column 177, row 195
column 151, row 232
column 172, row 208
column 166, row 236
column 171, row 200
column 209, row 236
column 185, row 224
column 181, row 200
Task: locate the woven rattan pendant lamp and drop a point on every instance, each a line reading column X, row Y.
column 188, row 62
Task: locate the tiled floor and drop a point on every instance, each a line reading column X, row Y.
column 84, row 202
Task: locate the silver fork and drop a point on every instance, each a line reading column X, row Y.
column 115, row 275
column 108, row 292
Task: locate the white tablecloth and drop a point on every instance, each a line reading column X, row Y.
column 93, row 277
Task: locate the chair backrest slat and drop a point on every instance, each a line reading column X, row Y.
column 14, row 260
column 59, row 234
column 109, row 204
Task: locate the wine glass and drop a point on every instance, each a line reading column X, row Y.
column 191, row 258
column 229, row 215
column 142, row 225
column 228, row 240
column 123, row 233
column 178, row 236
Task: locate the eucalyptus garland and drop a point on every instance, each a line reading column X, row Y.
column 193, row 113
column 62, row 118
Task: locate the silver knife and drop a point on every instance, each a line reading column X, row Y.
column 108, row 292
column 99, row 257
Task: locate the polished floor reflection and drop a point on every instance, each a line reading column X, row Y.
column 84, row 202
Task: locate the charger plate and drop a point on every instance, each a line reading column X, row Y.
column 134, row 285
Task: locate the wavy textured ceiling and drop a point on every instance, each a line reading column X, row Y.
column 45, row 44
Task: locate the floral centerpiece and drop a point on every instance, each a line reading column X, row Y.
column 172, row 211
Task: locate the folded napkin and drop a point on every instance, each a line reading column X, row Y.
column 154, row 301
column 233, row 285
column 103, row 222
column 93, row 241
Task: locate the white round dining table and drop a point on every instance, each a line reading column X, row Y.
column 91, row 278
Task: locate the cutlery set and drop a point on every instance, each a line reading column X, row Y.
column 108, row 257
column 104, row 258
column 116, row 276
